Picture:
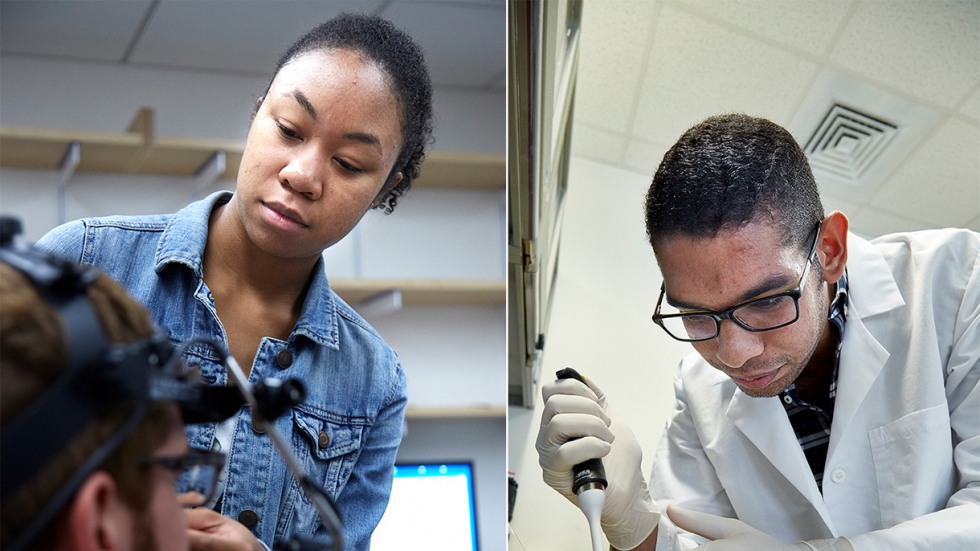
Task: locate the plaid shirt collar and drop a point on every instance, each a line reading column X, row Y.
column 837, row 315
column 811, row 423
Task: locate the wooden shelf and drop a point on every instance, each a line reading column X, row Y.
column 467, row 412
column 139, row 150
column 424, row 292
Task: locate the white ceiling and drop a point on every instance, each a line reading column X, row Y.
column 463, row 40
column 650, row 69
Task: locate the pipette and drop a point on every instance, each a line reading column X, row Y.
column 589, row 482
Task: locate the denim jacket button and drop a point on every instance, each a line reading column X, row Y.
column 249, row 518
column 284, row 358
column 257, row 427
column 323, row 439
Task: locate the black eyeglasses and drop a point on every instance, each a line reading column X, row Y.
column 761, row 314
column 197, row 471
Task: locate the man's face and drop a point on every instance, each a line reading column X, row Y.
column 734, row 267
column 163, row 526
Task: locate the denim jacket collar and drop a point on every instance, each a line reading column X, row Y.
column 318, row 318
column 186, row 234
column 183, row 242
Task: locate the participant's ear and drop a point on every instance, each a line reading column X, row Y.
column 97, row 519
column 832, row 246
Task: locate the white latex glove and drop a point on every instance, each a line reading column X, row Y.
column 578, row 411
column 730, row 534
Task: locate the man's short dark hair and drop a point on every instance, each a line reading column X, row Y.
column 728, row 171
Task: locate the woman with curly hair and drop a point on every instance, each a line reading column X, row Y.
column 341, row 128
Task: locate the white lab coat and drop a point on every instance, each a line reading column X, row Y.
column 903, row 468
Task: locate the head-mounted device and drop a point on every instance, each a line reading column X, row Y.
column 100, row 378
column 103, row 376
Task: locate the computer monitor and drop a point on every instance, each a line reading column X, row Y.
column 431, row 507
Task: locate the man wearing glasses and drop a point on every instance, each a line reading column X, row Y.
column 833, row 400
column 92, row 456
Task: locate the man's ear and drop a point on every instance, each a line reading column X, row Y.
column 97, row 519
column 832, row 246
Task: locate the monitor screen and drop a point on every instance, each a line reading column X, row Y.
column 431, row 507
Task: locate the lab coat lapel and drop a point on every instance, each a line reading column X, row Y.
column 866, row 357
column 862, row 355
column 763, row 421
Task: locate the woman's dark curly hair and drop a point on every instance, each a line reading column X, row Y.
column 404, row 64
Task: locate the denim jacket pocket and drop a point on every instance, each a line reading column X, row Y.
column 333, row 447
column 328, row 450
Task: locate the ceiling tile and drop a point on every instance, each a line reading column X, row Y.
column 597, row 144
column 244, row 36
column 870, row 223
column 613, row 45
column 973, row 224
column 464, row 40
column 698, row 68
column 81, row 30
column 806, row 26
column 971, row 107
column 927, row 49
column 468, row 47
column 644, row 157
column 833, row 202
column 950, row 197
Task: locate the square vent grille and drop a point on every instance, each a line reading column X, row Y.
column 847, row 142
column 855, row 134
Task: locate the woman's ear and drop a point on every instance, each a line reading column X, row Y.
column 392, row 182
column 97, row 519
column 832, row 246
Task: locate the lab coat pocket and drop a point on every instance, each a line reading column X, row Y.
column 913, row 459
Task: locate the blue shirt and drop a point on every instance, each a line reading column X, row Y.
column 345, row 434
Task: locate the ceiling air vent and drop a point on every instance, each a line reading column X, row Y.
column 855, row 134
column 847, row 142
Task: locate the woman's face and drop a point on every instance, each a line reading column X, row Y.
column 323, row 142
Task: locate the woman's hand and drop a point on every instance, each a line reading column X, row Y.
column 209, row 530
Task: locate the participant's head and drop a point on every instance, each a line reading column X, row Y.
column 120, row 499
column 734, row 215
column 343, row 124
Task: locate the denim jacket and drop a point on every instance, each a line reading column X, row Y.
column 347, row 431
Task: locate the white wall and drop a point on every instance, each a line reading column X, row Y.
column 605, row 292
column 453, row 356
column 104, row 97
